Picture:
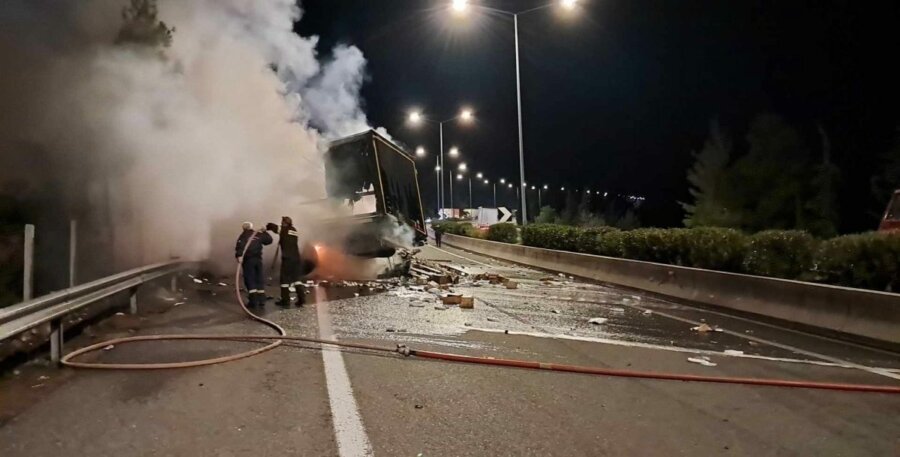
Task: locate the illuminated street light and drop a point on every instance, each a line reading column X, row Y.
column 545, row 187
column 460, row 6
column 510, row 185
column 415, row 117
column 532, row 187
column 454, row 151
column 459, row 177
column 463, row 167
column 466, row 115
column 437, row 168
column 562, row 188
column 479, row 175
column 487, row 181
column 503, row 181
column 420, row 151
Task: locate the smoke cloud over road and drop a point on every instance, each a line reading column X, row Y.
column 158, row 147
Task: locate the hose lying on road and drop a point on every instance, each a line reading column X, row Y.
column 276, row 340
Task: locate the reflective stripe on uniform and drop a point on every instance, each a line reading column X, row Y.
column 284, row 286
column 252, row 291
column 293, row 232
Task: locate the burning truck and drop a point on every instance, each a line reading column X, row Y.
column 376, row 183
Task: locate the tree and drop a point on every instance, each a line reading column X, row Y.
column 714, row 204
column 584, row 216
column 821, row 207
column 547, row 216
column 770, row 180
column 888, row 180
column 570, row 211
column 629, row 221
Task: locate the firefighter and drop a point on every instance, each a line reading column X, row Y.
column 290, row 263
column 250, row 259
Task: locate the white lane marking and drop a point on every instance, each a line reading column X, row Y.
column 464, row 258
column 349, row 431
column 636, row 344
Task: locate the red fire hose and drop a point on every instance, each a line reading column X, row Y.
column 276, row 340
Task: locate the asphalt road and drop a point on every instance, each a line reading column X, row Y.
column 307, row 401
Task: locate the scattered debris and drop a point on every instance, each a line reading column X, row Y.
column 733, row 352
column 120, row 314
column 419, row 407
column 109, row 348
column 702, row 361
column 647, row 312
column 43, row 378
column 356, row 294
column 702, row 328
column 467, row 324
column 440, row 308
column 491, row 319
column 561, row 275
column 451, row 299
column 169, row 299
column 753, row 343
column 598, row 320
column 554, row 311
column 37, row 385
column 467, row 302
column 223, row 284
column 617, row 310
column 390, row 330
column 179, row 303
column 416, row 305
column 198, row 281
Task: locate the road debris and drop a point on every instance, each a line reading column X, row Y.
column 109, row 348
column 702, row 361
column 647, row 312
column 554, row 311
column 120, row 314
column 512, row 285
column 467, row 302
column 704, row 327
column 179, row 303
column 617, row 310
column 598, row 320
column 491, row 319
column 43, row 378
column 223, row 284
column 440, row 308
column 198, row 281
column 733, row 352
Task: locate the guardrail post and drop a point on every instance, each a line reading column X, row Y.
column 132, row 301
column 56, row 340
column 28, row 273
column 73, row 240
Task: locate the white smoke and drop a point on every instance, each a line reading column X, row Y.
column 221, row 127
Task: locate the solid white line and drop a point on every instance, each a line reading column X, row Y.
column 635, row 344
column 464, row 258
column 349, row 431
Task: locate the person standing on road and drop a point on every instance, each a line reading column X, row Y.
column 438, row 234
column 248, row 252
column 290, row 263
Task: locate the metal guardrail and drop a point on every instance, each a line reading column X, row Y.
column 54, row 306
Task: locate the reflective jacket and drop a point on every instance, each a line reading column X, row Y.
column 255, row 250
column 288, row 243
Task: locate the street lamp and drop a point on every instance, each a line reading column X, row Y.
column 503, row 181
column 420, row 151
column 463, row 167
column 465, row 116
column 479, row 175
column 460, row 6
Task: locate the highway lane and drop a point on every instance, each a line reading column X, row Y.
column 288, row 402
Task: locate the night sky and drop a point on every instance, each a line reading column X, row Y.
column 617, row 96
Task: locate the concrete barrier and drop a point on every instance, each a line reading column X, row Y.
column 861, row 313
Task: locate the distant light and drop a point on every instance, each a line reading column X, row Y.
column 466, row 115
column 562, row 188
column 532, row 187
column 479, row 175
column 605, row 194
column 437, row 168
column 463, row 166
column 420, row 151
column 587, row 191
column 459, row 177
column 545, row 187
column 487, row 181
column 568, row 4
column 459, row 6
column 454, row 151
column 415, row 117
column 510, row 185
column 503, row 181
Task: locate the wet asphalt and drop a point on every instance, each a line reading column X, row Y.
column 278, row 403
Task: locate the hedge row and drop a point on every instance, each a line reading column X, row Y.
column 870, row 260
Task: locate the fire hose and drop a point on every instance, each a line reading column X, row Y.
column 274, row 341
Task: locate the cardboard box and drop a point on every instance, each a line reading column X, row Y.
column 467, row 302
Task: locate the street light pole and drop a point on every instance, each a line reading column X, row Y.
column 495, row 194
column 441, row 128
column 470, row 192
column 519, row 103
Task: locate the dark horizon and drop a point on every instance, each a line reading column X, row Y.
column 617, row 97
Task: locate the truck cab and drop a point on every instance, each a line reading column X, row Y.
column 891, row 220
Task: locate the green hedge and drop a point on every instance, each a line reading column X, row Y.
column 504, row 233
column 551, row 236
column 869, row 260
column 779, row 253
column 716, row 248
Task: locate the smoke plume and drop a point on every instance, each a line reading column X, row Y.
column 163, row 150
